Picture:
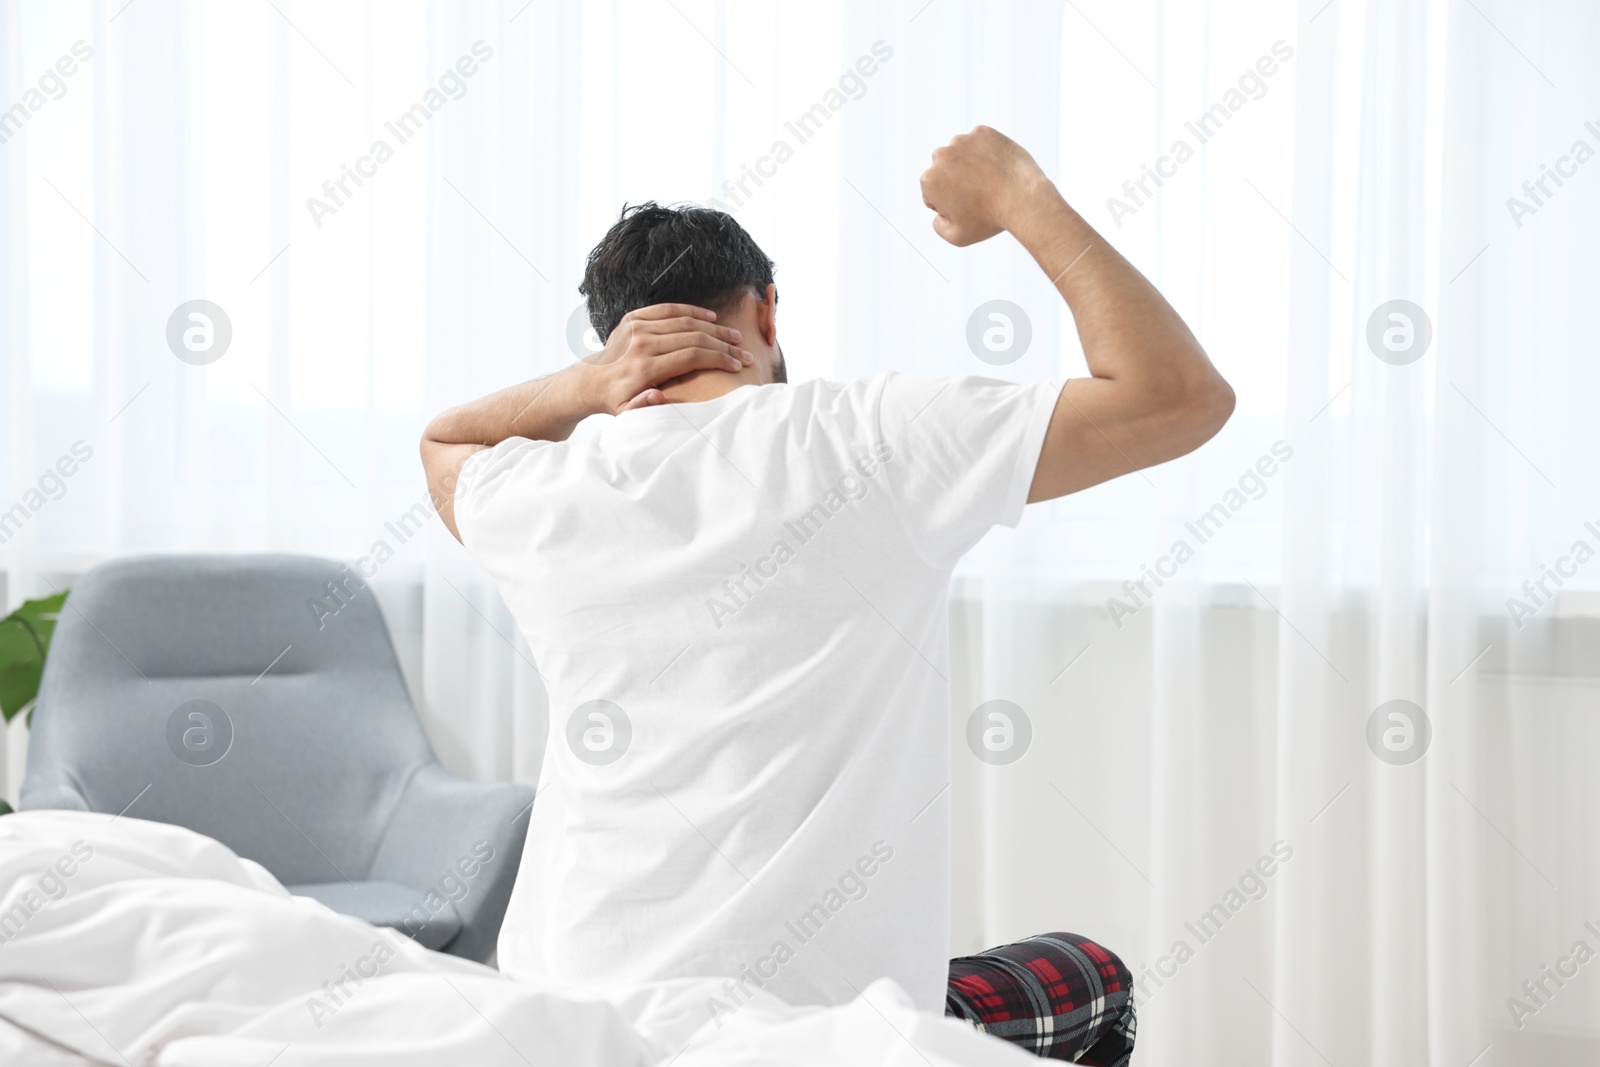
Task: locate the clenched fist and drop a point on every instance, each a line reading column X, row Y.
column 977, row 184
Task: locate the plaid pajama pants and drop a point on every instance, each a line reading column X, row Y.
column 1060, row 996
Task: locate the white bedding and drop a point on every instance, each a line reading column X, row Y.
column 132, row 942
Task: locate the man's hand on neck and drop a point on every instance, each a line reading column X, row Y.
column 755, row 318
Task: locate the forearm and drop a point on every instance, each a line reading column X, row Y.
column 544, row 409
column 1128, row 330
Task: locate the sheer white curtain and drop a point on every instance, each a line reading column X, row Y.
column 1199, row 649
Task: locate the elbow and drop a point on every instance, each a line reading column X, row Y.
column 1213, row 404
column 432, row 444
column 435, row 433
column 1196, row 407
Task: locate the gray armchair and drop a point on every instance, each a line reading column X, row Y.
column 257, row 700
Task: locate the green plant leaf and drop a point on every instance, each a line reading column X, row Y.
column 18, row 686
column 5, row 808
column 42, row 613
column 24, row 642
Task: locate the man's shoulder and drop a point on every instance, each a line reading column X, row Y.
column 817, row 398
column 890, row 393
column 826, row 391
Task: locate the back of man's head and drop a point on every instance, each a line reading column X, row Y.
column 684, row 254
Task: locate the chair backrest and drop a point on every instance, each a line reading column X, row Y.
column 255, row 699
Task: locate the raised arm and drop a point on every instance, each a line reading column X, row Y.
column 649, row 347
column 1152, row 394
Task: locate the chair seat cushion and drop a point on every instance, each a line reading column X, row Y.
column 420, row 914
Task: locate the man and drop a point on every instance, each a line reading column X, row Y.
column 735, row 592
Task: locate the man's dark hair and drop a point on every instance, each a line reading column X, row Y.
column 683, row 254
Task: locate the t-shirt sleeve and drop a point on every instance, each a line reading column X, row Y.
column 481, row 476
column 964, row 453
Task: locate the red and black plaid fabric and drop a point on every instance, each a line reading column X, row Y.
column 1060, row 996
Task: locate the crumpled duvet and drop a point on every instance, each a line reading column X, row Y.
column 137, row 943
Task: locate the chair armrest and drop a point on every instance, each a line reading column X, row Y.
column 457, row 841
column 51, row 789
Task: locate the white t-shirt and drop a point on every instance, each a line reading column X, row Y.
column 754, row 587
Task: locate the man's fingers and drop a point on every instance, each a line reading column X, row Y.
column 684, row 360
column 670, row 311
column 645, row 399
column 678, row 325
column 673, row 342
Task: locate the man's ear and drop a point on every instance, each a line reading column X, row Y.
column 767, row 315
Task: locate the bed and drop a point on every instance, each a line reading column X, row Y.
column 130, row 942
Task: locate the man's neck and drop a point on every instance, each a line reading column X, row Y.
column 707, row 385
